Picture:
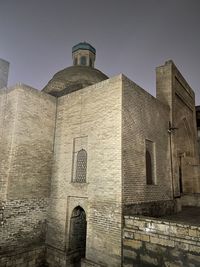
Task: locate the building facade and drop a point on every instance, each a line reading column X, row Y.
column 83, row 153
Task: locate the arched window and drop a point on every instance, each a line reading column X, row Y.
column 90, row 62
column 83, row 60
column 75, row 61
column 149, row 174
column 81, row 166
column 150, row 162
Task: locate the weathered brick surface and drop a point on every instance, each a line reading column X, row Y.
column 144, row 117
column 94, row 112
column 31, row 142
column 151, row 242
column 27, row 120
column 151, row 208
column 56, row 257
column 173, row 90
column 190, row 200
column 7, row 122
column 24, row 224
column 28, row 257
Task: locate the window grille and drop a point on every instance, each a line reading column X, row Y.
column 81, row 166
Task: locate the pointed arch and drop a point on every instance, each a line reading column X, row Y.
column 77, row 233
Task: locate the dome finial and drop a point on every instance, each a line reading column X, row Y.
column 83, row 54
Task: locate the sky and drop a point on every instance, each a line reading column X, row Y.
column 132, row 37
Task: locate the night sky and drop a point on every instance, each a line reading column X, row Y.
column 132, row 37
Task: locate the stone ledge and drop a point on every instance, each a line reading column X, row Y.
column 88, row 263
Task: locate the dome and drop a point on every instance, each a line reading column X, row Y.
column 78, row 76
column 72, row 79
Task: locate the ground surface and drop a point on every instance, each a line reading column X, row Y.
column 188, row 215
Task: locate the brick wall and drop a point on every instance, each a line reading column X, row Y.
column 191, row 200
column 31, row 129
column 6, row 122
column 94, row 112
column 149, row 242
column 24, row 224
column 27, row 132
column 185, row 137
column 144, row 117
column 31, row 257
column 173, row 90
column 198, row 144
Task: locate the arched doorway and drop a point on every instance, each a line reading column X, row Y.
column 77, row 234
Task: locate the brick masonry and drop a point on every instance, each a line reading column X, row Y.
column 191, row 200
column 149, row 242
column 24, row 224
column 94, row 112
column 139, row 106
column 113, row 119
column 28, row 257
column 27, row 121
column 173, row 90
column 152, row 208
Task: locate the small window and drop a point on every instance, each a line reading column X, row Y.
column 90, row 62
column 83, row 60
column 81, row 166
column 149, row 174
column 75, row 61
column 150, row 162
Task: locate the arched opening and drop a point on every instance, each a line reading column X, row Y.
column 75, row 61
column 77, row 234
column 83, row 60
column 90, row 62
column 149, row 174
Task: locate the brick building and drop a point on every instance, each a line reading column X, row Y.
column 198, row 126
column 83, row 153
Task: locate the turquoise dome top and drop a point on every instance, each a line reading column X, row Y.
column 83, row 46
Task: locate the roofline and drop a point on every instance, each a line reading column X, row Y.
column 78, row 47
